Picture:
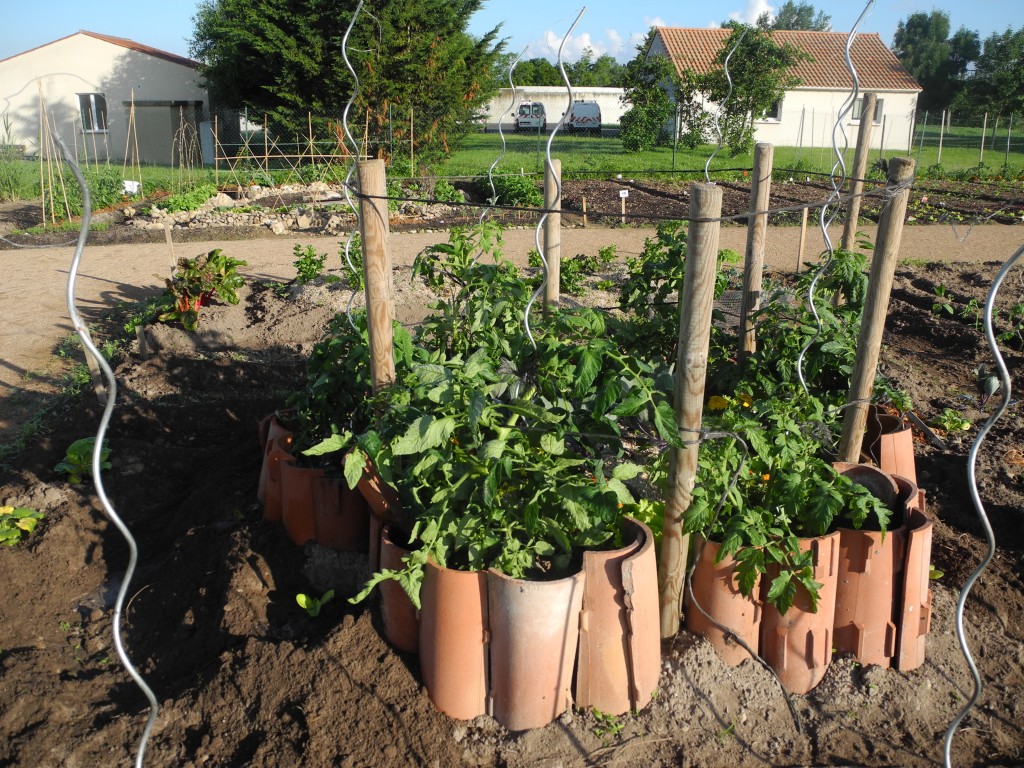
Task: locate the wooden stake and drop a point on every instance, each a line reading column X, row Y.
column 984, row 130
column 375, row 229
column 695, row 304
column 584, row 212
column 553, row 235
column 876, row 305
column 170, row 244
column 942, row 132
column 216, row 152
column 803, row 240
column 757, row 228
column 623, row 219
column 860, row 167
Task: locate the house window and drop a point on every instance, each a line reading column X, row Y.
column 93, row 107
column 773, row 113
column 858, row 107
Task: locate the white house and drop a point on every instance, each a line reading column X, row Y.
column 92, row 88
column 807, row 113
column 555, row 99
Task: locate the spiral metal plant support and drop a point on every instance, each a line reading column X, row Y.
column 352, row 166
column 825, row 220
column 721, row 107
column 972, row 480
column 558, row 182
column 493, row 199
column 108, row 410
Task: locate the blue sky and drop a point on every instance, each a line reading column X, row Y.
column 607, row 27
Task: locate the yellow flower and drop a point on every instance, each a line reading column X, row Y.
column 765, row 478
column 745, row 400
column 718, row 403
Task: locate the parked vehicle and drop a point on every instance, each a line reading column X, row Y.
column 531, row 116
column 584, row 117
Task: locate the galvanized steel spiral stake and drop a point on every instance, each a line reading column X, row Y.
column 550, row 167
column 972, row 481
column 133, row 551
column 825, row 221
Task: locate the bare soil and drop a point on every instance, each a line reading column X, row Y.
column 246, row 678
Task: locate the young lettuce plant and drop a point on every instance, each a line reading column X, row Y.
column 77, row 463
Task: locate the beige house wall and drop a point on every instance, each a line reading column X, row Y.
column 49, row 79
column 808, row 116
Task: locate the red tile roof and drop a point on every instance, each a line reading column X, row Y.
column 877, row 67
column 124, row 43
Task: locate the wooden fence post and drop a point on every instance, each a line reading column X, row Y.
column 803, row 240
column 553, row 234
column 695, row 304
column 860, row 167
column 876, row 305
column 757, row 228
column 374, row 228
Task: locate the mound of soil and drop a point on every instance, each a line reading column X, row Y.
column 246, row 678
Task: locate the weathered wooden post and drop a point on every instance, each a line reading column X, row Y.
column 757, row 228
column 553, row 234
column 876, row 305
column 860, row 167
column 803, row 241
column 695, row 304
column 374, row 228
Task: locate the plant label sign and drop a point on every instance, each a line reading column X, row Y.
column 623, row 193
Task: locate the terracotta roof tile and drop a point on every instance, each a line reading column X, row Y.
column 877, row 66
column 124, row 43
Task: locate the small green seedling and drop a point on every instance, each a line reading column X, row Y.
column 726, row 733
column 951, row 421
column 78, row 460
column 309, row 264
column 16, row 522
column 934, row 573
column 312, row 605
column 606, row 724
column 943, row 301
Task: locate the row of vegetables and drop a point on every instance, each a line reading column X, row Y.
column 507, row 457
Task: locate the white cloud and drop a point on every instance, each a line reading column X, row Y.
column 616, row 45
column 613, row 43
column 754, row 9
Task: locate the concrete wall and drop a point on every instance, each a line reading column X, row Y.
column 56, row 73
column 555, row 100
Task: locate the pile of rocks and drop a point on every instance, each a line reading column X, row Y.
column 316, row 207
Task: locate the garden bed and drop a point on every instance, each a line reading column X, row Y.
column 246, row 677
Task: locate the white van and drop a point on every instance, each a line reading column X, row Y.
column 584, row 117
column 530, row 116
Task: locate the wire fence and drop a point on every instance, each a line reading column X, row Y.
column 962, row 141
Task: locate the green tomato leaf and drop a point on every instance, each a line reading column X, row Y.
column 552, row 444
column 665, row 422
column 423, row 434
column 355, row 463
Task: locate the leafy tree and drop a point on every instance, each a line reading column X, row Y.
column 588, row 72
column 649, row 83
column 760, row 75
column 537, row 71
column 795, row 16
column 938, row 62
column 415, row 62
column 999, row 73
